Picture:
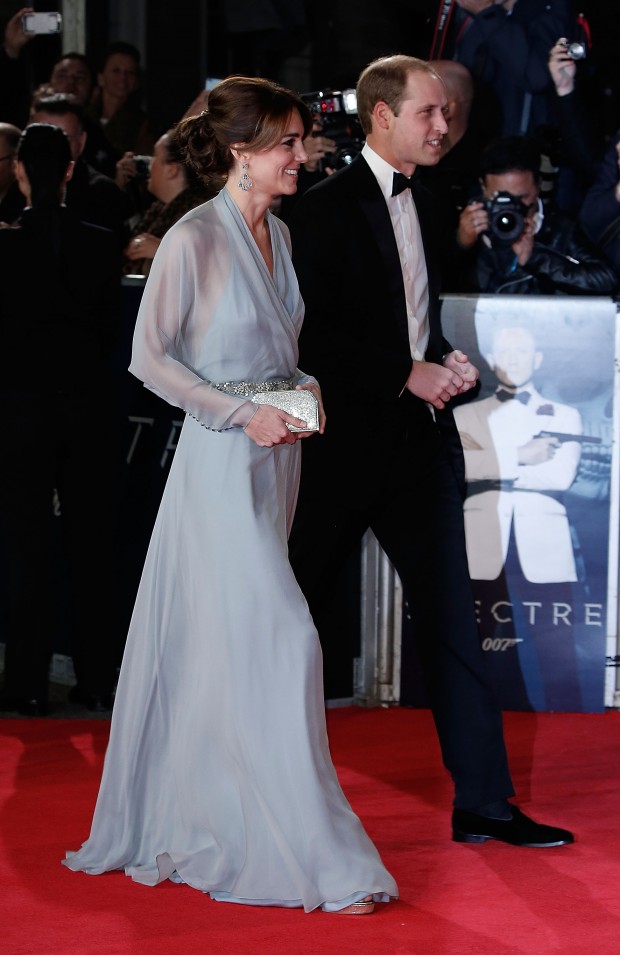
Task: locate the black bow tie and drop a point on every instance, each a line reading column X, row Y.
column 400, row 183
column 502, row 395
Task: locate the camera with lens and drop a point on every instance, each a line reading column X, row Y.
column 142, row 165
column 507, row 214
column 337, row 111
column 576, row 51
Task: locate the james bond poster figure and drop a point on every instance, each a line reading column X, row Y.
column 519, row 459
column 522, row 453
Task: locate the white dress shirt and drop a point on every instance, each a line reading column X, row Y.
column 410, row 250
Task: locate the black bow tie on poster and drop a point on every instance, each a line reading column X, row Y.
column 502, row 395
column 400, row 183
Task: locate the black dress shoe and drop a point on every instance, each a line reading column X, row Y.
column 520, row 830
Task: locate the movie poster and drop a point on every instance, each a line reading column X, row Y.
column 541, row 513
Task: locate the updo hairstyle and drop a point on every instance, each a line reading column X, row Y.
column 247, row 111
column 45, row 153
column 176, row 151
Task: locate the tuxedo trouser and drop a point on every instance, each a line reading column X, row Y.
column 67, row 442
column 417, row 517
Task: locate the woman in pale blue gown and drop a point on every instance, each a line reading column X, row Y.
column 218, row 772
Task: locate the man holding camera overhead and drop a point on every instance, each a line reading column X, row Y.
column 505, row 45
column 511, row 244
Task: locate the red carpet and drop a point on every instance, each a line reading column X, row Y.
column 455, row 899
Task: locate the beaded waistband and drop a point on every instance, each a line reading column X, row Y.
column 244, row 389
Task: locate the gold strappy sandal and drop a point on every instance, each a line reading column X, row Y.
column 363, row 907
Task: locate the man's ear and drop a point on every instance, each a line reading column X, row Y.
column 381, row 115
column 69, row 172
column 20, row 172
column 538, row 360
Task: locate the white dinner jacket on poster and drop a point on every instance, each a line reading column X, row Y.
column 502, row 491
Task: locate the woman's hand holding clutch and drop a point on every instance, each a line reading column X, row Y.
column 267, row 427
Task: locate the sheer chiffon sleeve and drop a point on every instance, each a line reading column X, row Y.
column 184, row 289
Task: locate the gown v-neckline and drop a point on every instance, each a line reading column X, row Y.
column 272, row 275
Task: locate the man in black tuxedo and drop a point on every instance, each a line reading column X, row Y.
column 365, row 247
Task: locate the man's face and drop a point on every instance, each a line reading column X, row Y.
column 71, row 126
column 514, row 358
column 517, row 183
column 413, row 137
column 72, row 76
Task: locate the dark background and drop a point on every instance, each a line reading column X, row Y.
column 306, row 45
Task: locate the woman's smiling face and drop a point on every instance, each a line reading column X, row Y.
column 274, row 171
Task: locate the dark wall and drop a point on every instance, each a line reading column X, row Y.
column 189, row 40
column 176, row 37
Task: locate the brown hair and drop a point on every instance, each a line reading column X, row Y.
column 174, row 152
column 243, row 110
column 384, row 80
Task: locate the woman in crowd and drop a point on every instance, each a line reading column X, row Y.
column 115, row 103
column 218, row 772
column 177, row 189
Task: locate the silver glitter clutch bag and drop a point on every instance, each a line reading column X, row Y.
column 301, row 404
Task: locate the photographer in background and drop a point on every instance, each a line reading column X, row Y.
column 510, row 245
column 177, row 189
column 505, row 44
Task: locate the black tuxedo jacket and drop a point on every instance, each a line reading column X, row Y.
column 59, row 304
column 355, row 336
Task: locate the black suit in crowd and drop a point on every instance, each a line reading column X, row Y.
column 59, row 308
column 93, row 197
column 384, row 462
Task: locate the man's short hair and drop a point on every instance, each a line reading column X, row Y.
column 490, row 326
column 511, row 154
column 10, row 134
column 384, row 80
column 59, row 104
column 72, row 55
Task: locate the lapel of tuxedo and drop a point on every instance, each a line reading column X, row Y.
column 375, row 210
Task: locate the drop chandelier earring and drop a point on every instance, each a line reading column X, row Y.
column 245, row 182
